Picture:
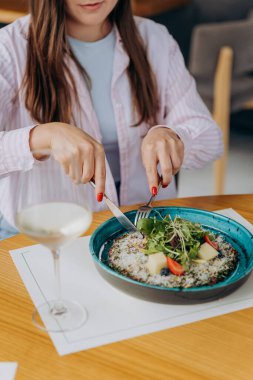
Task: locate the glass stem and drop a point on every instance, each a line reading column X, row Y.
column 58, row 307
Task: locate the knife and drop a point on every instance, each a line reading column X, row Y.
column 122, row 219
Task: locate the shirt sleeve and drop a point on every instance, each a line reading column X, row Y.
column 187, row 115
column 14, row 144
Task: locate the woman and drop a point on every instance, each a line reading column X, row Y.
column 109, row 90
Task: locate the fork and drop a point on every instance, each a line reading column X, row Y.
column 144, row 210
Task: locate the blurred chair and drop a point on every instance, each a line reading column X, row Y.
column 221, row 60
column 221, row 111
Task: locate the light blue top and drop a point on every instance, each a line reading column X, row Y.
column 97, row 60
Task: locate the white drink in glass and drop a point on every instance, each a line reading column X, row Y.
column 54, row 224
column 53, row 211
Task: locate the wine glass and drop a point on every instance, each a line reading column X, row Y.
column 52, row 210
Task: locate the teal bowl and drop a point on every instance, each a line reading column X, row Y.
column 234, row 233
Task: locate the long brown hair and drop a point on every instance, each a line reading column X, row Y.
column 48, row 83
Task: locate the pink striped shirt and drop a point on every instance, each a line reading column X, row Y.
column 181, row 110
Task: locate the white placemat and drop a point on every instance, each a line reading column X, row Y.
column 8, row 370
column 113, row 316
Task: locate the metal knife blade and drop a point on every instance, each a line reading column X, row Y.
column 122, row 219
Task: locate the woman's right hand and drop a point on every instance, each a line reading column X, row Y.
column 81, row 156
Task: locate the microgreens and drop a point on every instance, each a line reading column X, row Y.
column 178, row 238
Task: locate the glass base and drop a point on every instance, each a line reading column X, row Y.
column 55, row 316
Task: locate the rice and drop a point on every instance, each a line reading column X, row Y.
column 126, row 257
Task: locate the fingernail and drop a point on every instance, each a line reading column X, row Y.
column 100, row 197
column 154, row 190
column 164, row 186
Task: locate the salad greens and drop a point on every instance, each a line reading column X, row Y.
column 179, row 239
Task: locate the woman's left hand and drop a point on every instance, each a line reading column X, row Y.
column 162, row 146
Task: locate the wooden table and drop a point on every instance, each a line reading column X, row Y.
column 219, row 348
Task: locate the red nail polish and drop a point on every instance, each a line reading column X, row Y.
column 164, row 186
column 100, row 197
column 154, row 190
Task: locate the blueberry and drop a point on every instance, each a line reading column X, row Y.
column 164, row 272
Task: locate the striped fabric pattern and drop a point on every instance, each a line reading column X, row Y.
column 181, row 110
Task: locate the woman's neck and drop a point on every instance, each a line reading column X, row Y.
column 88, row 33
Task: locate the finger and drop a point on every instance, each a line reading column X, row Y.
column 150, row 163
column 88, row 168
column 88, row 165
column 100, row 175
column 166, row 167
column 64, row 163
column 176, row 162
column 65, row 168
column 177, row 157
column 75, row 169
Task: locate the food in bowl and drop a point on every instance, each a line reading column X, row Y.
column 173, row 253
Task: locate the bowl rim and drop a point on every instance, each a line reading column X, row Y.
column 204, row 288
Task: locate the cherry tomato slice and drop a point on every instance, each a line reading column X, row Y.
column 175, row 267
column 210, row 242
